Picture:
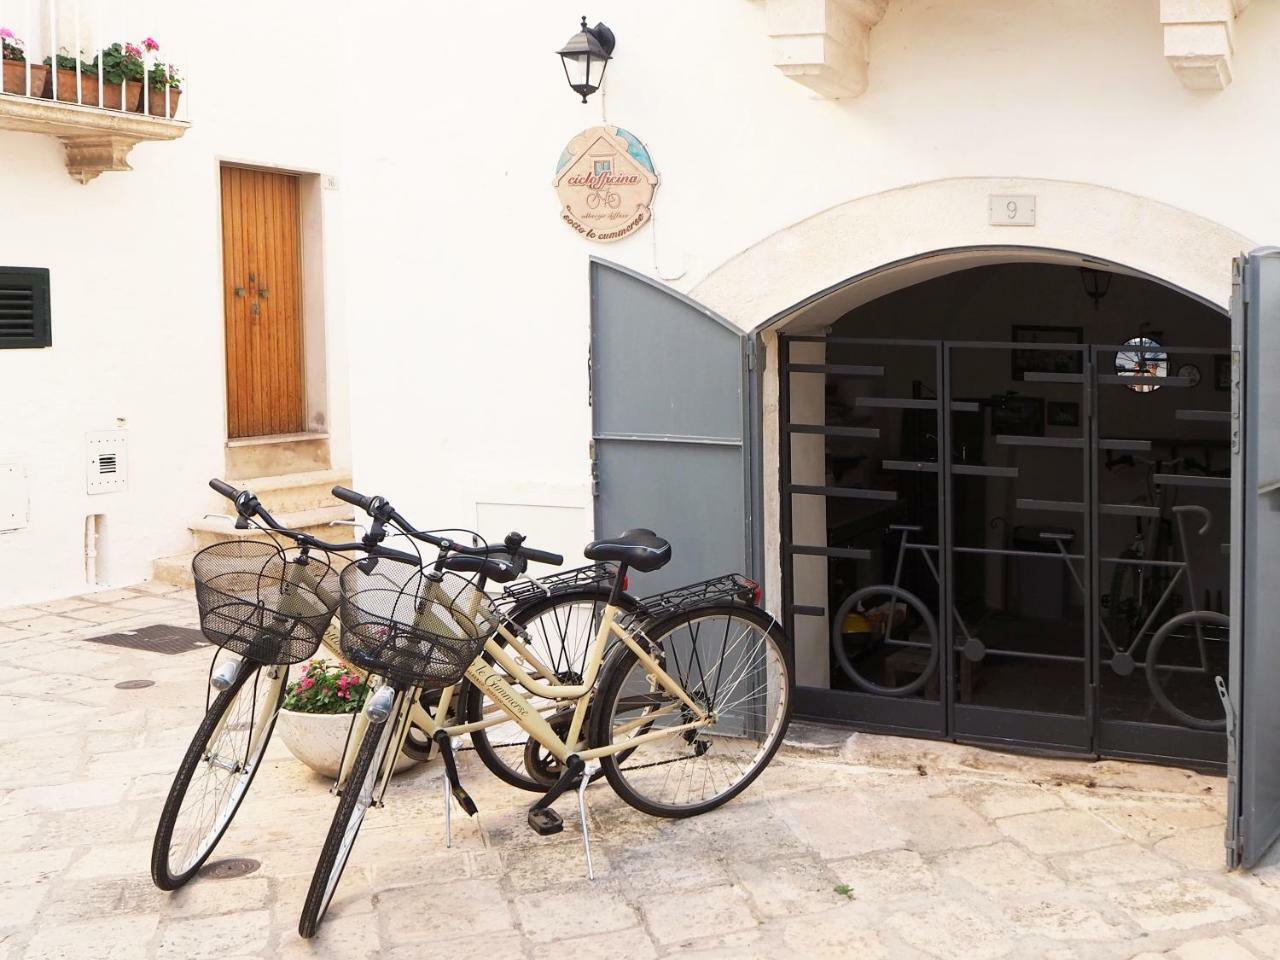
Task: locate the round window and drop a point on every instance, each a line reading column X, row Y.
column 1142, row 357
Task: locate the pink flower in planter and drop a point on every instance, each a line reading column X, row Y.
column 132, row 51
column 307, row 683
column 7, row 34
column 151, row 45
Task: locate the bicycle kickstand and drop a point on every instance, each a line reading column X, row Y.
column 452, row 787
column 545, row 821
column 588, row 772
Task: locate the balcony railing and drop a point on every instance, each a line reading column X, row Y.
column 100, row 93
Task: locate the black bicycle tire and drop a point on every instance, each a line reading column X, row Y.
column 616, row 673
column 315, row 906
column 1153, row 653
column 846, row 665
column 474, row 702
column 160, row 875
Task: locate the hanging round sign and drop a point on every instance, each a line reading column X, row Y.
column 605, row 180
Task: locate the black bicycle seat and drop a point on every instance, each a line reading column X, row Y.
column 640, row 549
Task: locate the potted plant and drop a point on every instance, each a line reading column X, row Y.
column 316, row 715
column 165, row 85
column 122, row 73
column 15, row 66
column 63, row 68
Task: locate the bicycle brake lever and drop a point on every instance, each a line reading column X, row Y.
column 350, row 523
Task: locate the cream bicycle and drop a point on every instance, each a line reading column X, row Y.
column 271, row 607
column 689, row 706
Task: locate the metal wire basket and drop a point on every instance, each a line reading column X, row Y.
column 413, row 626
column 265, row 603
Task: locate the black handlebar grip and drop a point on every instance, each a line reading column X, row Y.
column 542, row 556
column 224, row 488
column 353, row 498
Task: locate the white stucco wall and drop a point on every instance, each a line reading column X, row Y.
column 136, row 275
column 493, row 328
column 464, row 296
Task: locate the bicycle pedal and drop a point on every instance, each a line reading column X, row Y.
column 465, row 801
column 545, row 822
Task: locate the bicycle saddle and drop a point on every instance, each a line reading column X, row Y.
column 497, row 569
column 640, row 549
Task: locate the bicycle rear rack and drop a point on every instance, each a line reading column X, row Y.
column 732, row 587
column 534, row 589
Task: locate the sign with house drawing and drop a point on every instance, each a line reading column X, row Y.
column 605, row 181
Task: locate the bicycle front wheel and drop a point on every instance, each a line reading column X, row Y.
column 1185, row 656
column 367, row 773
column 215, row 774
column 733, row 662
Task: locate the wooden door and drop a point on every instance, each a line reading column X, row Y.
column 261, row 251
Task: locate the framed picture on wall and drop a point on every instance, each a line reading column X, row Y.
column 1046, row 361
column 1017, row 416
column 1222, row 372
column 1063, row 413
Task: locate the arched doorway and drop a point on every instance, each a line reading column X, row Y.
column 875, row 245
column 986, row 520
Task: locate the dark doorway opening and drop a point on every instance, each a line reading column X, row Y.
column 1006, row 508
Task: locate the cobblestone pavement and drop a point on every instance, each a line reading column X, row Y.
column 946, row 852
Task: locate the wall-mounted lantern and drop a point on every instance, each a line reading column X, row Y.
column 585, row 56
column 1097, row 283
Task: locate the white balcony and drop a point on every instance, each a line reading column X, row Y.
column 90, row 86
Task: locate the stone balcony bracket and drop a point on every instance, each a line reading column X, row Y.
column 826, row 44
column 96, row 140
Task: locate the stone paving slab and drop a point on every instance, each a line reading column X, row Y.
column 850, row 845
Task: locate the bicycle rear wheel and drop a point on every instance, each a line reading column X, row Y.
column 733, row 661
column 215, row 775
column 357, row 797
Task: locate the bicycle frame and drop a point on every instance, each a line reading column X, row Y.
column 514, row 706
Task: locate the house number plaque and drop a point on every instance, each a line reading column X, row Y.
column 1013, row 210
column 605, row 181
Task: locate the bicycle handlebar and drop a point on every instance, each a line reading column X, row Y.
column 249, row 508
column 355, row 499
column 383, row 512
column 224, row 488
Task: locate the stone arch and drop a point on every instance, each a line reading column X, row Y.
column 857, row 239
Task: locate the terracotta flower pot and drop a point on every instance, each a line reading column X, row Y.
column 317, row 740
column 114, row 96
column 155, row 103
column 15, row 78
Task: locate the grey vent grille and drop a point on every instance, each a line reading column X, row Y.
column 17, row 310
column 24, row 307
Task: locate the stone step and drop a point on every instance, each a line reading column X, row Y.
column 277, row 455
column 175, row 570
column 315, row 521
column 292, row 492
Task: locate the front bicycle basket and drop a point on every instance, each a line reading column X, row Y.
column 413, row 626
column 264, row 603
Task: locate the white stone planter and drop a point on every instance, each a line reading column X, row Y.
column 317, row 740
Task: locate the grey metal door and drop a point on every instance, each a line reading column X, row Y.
column 672, row 403
column 1254, row 738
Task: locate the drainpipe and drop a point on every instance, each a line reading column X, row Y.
column 91, row 548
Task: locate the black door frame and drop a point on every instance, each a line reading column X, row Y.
column 1087, row 734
